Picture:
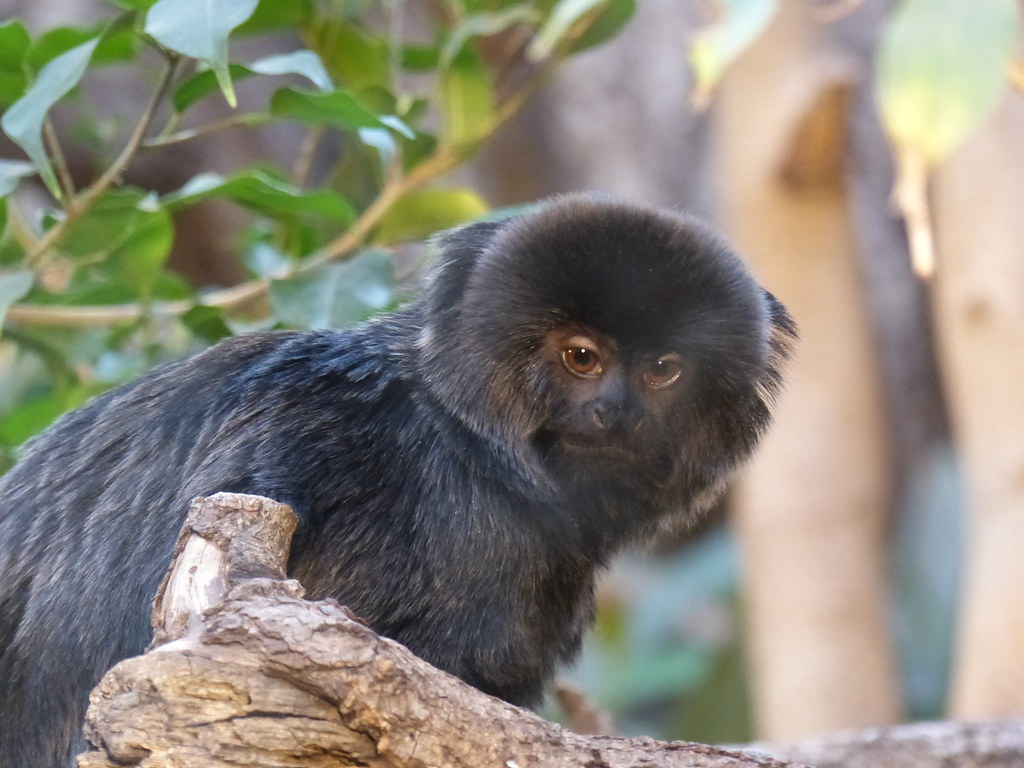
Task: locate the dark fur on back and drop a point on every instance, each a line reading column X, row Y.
column 420, row 452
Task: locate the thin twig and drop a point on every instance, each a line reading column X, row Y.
column 18, row 227
column 60, row 162
column 444, row 159
column 307, row 152
column 231, row 121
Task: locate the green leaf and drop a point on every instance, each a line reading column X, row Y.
column 275, row 15
column 424, row 212
column 29, row 418
column 737, row 25
column 118, row 42
column 23, row 122
column 354, row 57
column 335, row 295
column 13, row 285
column 202, row 84
column 337, row 108
column 141, row 257
column 128, row 234
column 609, row 22
column 14, row 45
column 467, row 100
column 420, row 58
column 482, row 25
column 302, row 62
column 207, row 323
column 10, row 173
column 133, row 5
column 262, row 192
column 941, row 70
column 561, row 19
column 200, row 29
column 53, row 42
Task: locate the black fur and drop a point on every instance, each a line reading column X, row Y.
column 451, row 482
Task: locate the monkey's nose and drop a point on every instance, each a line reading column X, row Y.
column 608, row 416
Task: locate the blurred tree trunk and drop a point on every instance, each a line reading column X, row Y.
column 811, row 513
column 979, row 214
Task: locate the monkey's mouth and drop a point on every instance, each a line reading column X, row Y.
column 550, row 444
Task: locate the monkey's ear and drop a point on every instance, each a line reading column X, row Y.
column 465, row 243
column 455, row 253
column 781, row 339
column 783, row 323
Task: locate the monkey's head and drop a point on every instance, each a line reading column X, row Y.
column 598, row 336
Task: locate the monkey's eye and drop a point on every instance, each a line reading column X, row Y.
column 664, row 372
column 582, row 361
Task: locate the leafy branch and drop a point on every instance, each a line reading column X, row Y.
column 460, row 142
column 79, row 204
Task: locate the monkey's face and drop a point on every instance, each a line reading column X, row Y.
column 599, row 335
column 606, row 400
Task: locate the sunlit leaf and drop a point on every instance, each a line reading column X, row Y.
column 23, row 122
column 335, row 295
column 336, row 108
column 561, row 19
column 483, row 24
column 200, row 29
column 11, row 171
column 13, row 285
column 14, row 45
column 302, row 62
column 736, row 26
column 383, row 142
column 942, row 68
column 467, row 100
column 262, row 192
column 424, row 212
column 202, row 84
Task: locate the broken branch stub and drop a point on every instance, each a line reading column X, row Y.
column 225, row 537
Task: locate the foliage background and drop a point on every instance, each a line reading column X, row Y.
column 180, row 171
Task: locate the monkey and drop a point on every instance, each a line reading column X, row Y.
column 568, row 382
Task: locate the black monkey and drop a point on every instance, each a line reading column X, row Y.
column 568, row 381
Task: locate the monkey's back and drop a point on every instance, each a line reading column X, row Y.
column 387, row 488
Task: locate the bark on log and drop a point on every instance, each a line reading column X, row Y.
column 995, row 744
column 262, row 677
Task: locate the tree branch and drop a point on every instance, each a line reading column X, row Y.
column 245, row 671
